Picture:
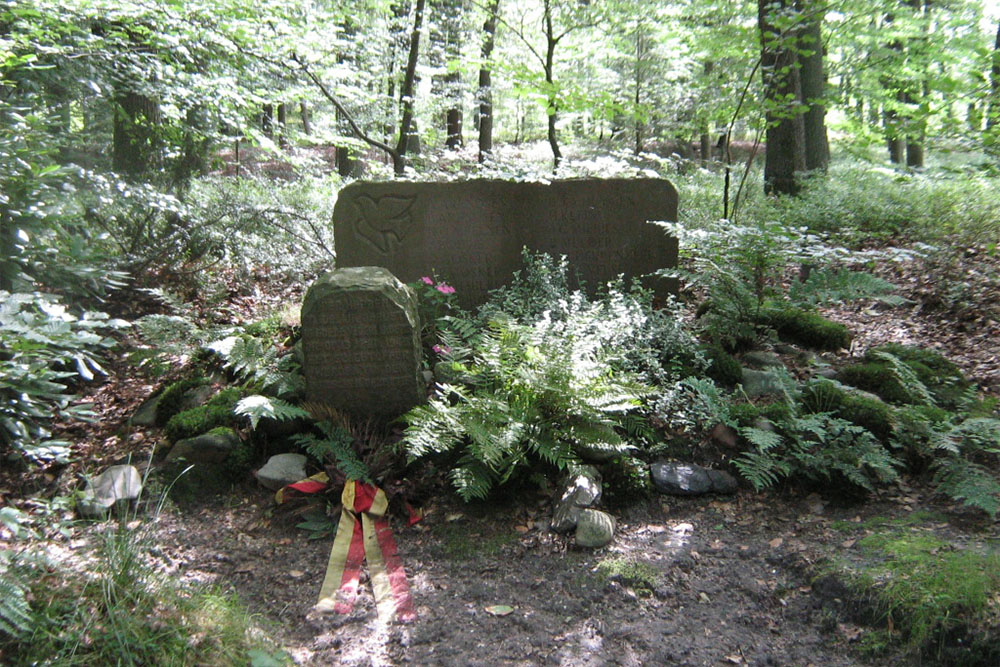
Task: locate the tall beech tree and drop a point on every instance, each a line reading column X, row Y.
column 786, row 136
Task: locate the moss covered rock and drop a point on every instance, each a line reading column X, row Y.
column 806, row 328
column 868, row 412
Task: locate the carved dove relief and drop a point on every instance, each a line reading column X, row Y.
column 384, row 222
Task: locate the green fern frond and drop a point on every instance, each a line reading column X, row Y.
column 337, row 447
column 761, row 469
column 258, row 407
column 970, row 483
column 761, row 439
column 15, row 612
column 906, row 377
column 837, row 285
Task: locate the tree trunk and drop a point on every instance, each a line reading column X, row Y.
column 282, row 125
column 135, row 144
column 486, row 83
column 552, row 107
column 407, row 91
column 267, row 120
column 814, row 85
column 786, row 142
column 705, row 144
column 993, row 109
column 304, row 114
column 640, row 51
column 453, row 80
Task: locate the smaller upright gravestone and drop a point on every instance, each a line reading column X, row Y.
column 361, row 342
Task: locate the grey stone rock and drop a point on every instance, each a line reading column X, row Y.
column 146, row 414
column 599, row 224
column 681, row 479
column 762, row 359
column 282, row 470
column 722, row 482
column 197, row 396
column 596, row 452
column 581, row 489
column 594, row 528
column 786, row 348
column 361, row 342
column 828, row 372
column 206, row 448
column 121, row 483
column 760, row 383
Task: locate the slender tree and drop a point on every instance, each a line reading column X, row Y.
column 786, row 141
column 485, row 92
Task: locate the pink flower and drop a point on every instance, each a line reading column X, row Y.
column 441, row 349
column 427, row 280
column 445, row 288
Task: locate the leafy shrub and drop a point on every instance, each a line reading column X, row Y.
column 626, row 481
column 819, row 447
column 218, row 411
column 806, row 328
column 260, row 365
column 724, row 368
column 902, row 374
column 535, row 392
column 172, row 398
column 867, row 412
column 44, row 350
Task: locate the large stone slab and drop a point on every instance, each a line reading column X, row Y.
column 472, row 232
column 361, row 342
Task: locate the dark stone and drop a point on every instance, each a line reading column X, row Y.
column 762, row 359
column 146, row 414
column 681, row 479
column 761, row 383
column 722, row 481
column 414, row 229
column 207, row 448
column 361, row 342
column 581, row 489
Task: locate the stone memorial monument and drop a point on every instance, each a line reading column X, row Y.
column 471, row 233
column 361, row 342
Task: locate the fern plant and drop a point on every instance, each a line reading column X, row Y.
column 533, row 394
column 820, row 447
column 259, row 365
column 15, row 611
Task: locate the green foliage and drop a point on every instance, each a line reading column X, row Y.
column 931, row 594
column 172, row 398
column 806, row 328
column 724, row 368
column 336, row 445
column 120, row 610
column 867, row 412
column 435, row 302
column 15, row 612
column 626, row 481
column 907, row 375
column 46, row 350
column 259, row 365
column 641, row 577
column 218, row 411
column 819, row 447
column 826, row 286
column 259, row 407
column 535, row 392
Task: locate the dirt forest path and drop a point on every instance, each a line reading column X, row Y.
column 704, row 582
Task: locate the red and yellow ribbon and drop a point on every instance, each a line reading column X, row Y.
column 369, row 538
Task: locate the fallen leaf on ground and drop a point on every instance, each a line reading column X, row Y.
column 776, row 542
column 499, row 610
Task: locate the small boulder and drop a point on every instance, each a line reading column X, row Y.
column 760, row 383
column 121, row 483
column 762, row 359
column 688, row 479
column 680, row 479
column 594, row 528
column 146, row 414
column 597, row 452
column 212, row 447
column 282, row 470
column 580, row 489
column 722, row 482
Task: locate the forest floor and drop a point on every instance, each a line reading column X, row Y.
column 687, row 581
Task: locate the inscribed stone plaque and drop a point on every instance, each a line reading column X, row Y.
column 472, row 232
column 361, row 342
